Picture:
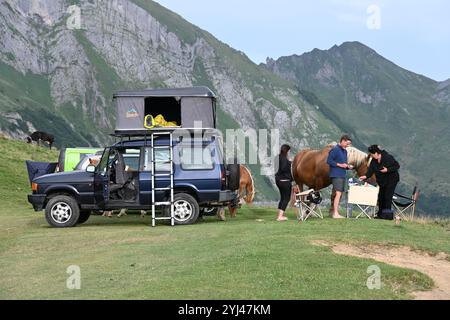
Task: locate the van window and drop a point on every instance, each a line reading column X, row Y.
column 196, row 158
column 131, row 158
column 160, row 155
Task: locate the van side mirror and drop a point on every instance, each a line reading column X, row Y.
column 90, row 168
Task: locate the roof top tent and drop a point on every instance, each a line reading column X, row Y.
column 181, row 108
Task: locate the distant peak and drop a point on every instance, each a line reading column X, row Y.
column 444, row 84
column 351, row 45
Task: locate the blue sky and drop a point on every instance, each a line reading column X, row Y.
column 414, row 34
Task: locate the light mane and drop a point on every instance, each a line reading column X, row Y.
column 356, row 157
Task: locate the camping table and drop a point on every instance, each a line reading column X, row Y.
column 365, row 198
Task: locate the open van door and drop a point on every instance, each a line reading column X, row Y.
column 101, row 178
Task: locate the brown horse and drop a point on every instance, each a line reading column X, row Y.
column 246, row 189
column 310, row 167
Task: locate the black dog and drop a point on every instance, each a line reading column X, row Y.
column 40, row 135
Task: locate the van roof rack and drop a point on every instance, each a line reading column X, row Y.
column 148, row 132
column 168, row 92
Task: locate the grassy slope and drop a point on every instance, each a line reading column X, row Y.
column 125, row 258
column 29, row 95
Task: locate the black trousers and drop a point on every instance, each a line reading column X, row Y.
column 285, row 188
column 385, row 196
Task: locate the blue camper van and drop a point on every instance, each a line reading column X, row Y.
column 174, row 171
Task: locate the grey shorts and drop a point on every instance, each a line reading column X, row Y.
column 338, row 184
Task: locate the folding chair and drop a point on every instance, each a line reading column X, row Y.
column 406, row 208
column 307, row 203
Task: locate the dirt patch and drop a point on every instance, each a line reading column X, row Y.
column 437, row 267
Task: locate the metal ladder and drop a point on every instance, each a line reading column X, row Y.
column 155, row 175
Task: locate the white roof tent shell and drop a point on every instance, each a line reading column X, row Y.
column 186, row 106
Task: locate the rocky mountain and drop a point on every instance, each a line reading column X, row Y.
column 61, row 61
column 380, row 102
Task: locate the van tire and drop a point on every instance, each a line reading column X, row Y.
column 234, row 176
column 62, row 211
column 84, row 216
column 186, row 209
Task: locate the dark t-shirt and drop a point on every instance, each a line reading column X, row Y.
column 284, row 169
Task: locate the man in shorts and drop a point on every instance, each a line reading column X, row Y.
column 337, row 160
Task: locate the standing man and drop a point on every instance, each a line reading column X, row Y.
column 337, row 160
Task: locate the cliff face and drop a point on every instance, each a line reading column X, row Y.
column 60, row 77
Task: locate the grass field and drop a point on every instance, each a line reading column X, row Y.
column 238, row 259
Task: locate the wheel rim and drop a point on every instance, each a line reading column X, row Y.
column 182, row 210
column 61, row 212
column 208, row 210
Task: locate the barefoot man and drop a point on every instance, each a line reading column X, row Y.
column 337, row 160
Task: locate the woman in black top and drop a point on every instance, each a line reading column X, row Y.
column 386, row 169
column 283, row 179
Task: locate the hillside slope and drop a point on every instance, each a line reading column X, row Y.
column 14, row 185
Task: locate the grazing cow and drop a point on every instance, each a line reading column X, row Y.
column 40, row 135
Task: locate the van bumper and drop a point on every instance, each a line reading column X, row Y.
column 227, row 195
column 37, row 200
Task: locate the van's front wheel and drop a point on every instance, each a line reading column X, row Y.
column 185, row 208
column 62, row 211
column 84, row 216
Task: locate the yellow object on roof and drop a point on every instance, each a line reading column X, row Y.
column 157, row 121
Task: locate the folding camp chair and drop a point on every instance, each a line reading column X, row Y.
column 406, row 208
column 307, row 203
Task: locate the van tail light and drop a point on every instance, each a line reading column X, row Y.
column 223, row 178
column 34, row 187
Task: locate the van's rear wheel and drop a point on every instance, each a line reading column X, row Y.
column 185, row 207
column 62, row 211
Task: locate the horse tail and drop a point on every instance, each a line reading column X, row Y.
column 250, row 188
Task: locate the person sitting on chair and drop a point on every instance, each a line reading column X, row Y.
column 385, row 168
